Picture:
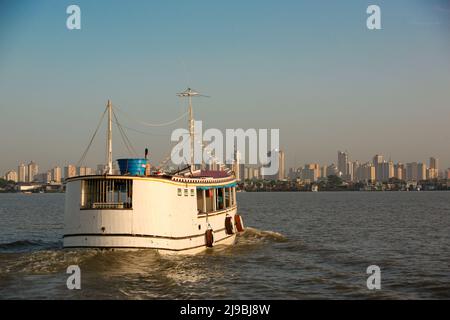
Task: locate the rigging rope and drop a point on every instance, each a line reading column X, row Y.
column 144, row 132
column 124, row 136
column 92, row 139
column 152, row 124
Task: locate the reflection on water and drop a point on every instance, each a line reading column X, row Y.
column 298, row 246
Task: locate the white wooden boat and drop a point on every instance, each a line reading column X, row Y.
column 183, row 212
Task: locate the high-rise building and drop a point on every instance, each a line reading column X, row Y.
column 49, row 177
column 33, row 170
column 343, row 163
column 281, row 169
column 70, row 171
column 280, row 173
column 332, row 170
column 56, row 175
column 400, row 171
column 84, row 171
column 370, row 173
column 433, row 170
column 248, row 173
column 386, row 171
column 251, row 172
column 23, row 173
column 421, row 171
column 323, row 172
column 377, row 163
column 311, row 172
column 11, row 176
column 238, row 166
column 412, row 171
column 365, row 172
column 355, row 166
column 434, row 163
column 257, row 173
column 447, row 174
column 349, row 176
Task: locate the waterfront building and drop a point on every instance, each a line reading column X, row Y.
column 49, row 176
column 332, row 170
column 311, row 172
column 386, row 171
column 33, row 170
column 421, row 171
column 377, row 162
column 11, row 176
column 343, row 163
column 84, row 171
column 281, row 169
column 22, row 173
column 56, row 175
column 411, row 171
column 400, row 171
column 281, row 174
column 70, row 171
column 365, row 172
column 323, row 172
column 350, row 174
column 433, row 170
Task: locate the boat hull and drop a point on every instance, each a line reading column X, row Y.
column 159, row 218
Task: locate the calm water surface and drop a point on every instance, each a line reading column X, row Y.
column 297, row 246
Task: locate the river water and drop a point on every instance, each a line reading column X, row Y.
column 296, row 246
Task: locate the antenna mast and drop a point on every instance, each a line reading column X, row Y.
column 109, row 152
column 189, row 93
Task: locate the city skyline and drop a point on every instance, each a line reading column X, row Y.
column 326, row 83
column 376, row 168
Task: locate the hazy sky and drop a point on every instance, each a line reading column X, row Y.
column 310, row 68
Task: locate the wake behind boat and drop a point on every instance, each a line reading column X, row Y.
column 186, row 211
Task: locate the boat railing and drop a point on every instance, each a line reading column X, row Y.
column 110, row 205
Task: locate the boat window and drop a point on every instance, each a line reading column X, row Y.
column 106, row 194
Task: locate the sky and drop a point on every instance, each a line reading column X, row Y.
column 309, row 68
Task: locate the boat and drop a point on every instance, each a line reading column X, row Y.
column 183, row 212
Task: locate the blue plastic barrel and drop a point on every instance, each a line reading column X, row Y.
column 134, row 167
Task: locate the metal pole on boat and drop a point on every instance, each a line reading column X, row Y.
column 191, row 93
column 109, row 137
column 191, row 130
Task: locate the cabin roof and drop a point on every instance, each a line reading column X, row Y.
column 211, row 174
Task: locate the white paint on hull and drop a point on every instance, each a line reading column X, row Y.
column 159, row 219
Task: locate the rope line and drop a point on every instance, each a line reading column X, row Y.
column 151, row 124
column 92, row 139
column 124, row 136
